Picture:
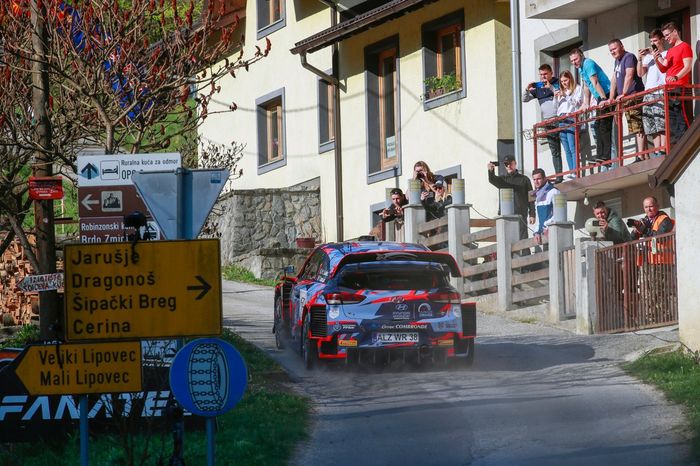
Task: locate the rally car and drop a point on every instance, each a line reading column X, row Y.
column 374, row 301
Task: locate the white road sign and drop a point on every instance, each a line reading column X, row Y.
column 116, row 169
column 46, row 282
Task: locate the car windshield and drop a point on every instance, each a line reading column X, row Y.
column 400, row 276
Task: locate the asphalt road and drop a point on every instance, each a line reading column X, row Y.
column 535, row 396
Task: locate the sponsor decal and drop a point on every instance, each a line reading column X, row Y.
column 401, row 315
column 334, row 313
column 404, row 326
column 449, row 325
column 397, row 299
column 402, row 307
column 351, row 343
column 449, row 342
column 424, row 310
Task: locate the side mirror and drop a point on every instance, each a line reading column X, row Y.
column 289, row 270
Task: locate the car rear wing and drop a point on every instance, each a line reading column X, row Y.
column 401, row 256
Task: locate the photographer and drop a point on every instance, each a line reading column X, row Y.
column 655, row 222
column 521, row 186
column 435, row 205
column 395, row 210
column 611, row 225
column 544, row 91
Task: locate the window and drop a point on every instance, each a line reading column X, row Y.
column 326, row 122
column 443, row 60
column 270, row 16
column 271, row 131
column 383, row 129
column 387, row 107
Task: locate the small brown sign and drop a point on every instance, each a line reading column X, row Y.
column 107, row 201
column 112, row 230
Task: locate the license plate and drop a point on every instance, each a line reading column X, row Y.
column 396, row 337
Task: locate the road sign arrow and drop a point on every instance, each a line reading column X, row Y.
column 88, row 201
column 89, row 171
column 205, row 287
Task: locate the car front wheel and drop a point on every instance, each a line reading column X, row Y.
column 308, row 347
column 279, row 326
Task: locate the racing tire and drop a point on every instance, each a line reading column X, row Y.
column 279, row 327
column 309, row 351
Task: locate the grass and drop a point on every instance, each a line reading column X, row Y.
column 262, row 429
column 237, row 273
column 677, row 374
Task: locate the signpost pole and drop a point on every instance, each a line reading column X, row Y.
column 83, row 430
column 211, row 446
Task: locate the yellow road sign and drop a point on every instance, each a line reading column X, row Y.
column 75, row 369
column 151, row 289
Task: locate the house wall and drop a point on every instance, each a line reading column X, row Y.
column 461, row 135
column 687, row 191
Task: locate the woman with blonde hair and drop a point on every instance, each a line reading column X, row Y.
column 569, row 98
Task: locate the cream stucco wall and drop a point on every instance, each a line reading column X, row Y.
column 687, row 190
column 280, row 69
column 460, row 134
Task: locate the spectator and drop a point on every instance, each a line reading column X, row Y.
column 611, row 225
column 626, row 82
column 597, row 86
column 655, row 222
column 544, row 202
column 395, row 210
column 435, row 205
column 677, row 65
column 422, row 172
column 544, row 92
column 653, row 117
column 569, row 98
column 521, row 186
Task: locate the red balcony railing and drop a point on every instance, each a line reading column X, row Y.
column 669, row 94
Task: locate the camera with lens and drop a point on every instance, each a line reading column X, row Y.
column 495, row 162
column 595, row 223
column 420, row 175
column 631, row 222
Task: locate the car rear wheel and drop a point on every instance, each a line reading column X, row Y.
column 309, row 351
column 468, row 360
column 280, row 329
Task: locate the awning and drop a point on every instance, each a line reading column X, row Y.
column 349, row 28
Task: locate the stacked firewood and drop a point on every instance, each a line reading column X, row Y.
column 16, row 306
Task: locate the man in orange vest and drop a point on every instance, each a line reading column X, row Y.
column 655, row 223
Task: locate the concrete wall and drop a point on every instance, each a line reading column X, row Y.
column 687, row 193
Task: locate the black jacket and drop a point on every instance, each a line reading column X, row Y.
column 521, row 186
column 436, row 209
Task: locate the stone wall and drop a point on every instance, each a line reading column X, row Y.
column 258, row 228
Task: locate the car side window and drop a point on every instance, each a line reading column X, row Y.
column 324, row 268
column 311, row 268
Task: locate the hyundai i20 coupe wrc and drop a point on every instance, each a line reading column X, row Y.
column 374, row 302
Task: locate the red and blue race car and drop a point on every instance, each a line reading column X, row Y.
column 375, row 301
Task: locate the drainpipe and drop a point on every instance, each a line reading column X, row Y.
column 517, row 103
column 334, row 81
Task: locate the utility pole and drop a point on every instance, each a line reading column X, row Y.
column 42, row 166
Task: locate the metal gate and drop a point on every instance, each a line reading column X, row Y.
column 636, row 285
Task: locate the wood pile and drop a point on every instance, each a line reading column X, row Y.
column 16, row 306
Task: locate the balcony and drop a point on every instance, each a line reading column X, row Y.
column 569, row 9
column 628, row 166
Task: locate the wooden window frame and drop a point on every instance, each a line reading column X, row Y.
column 432, row 34
column 270, row 108
column 326, row 116
column 387, row 162
column 267, row 23
column 455, row 30
column 270, row 116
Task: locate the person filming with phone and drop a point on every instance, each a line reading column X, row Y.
column 653, row 113
column 611, row 224
column 544, row 91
